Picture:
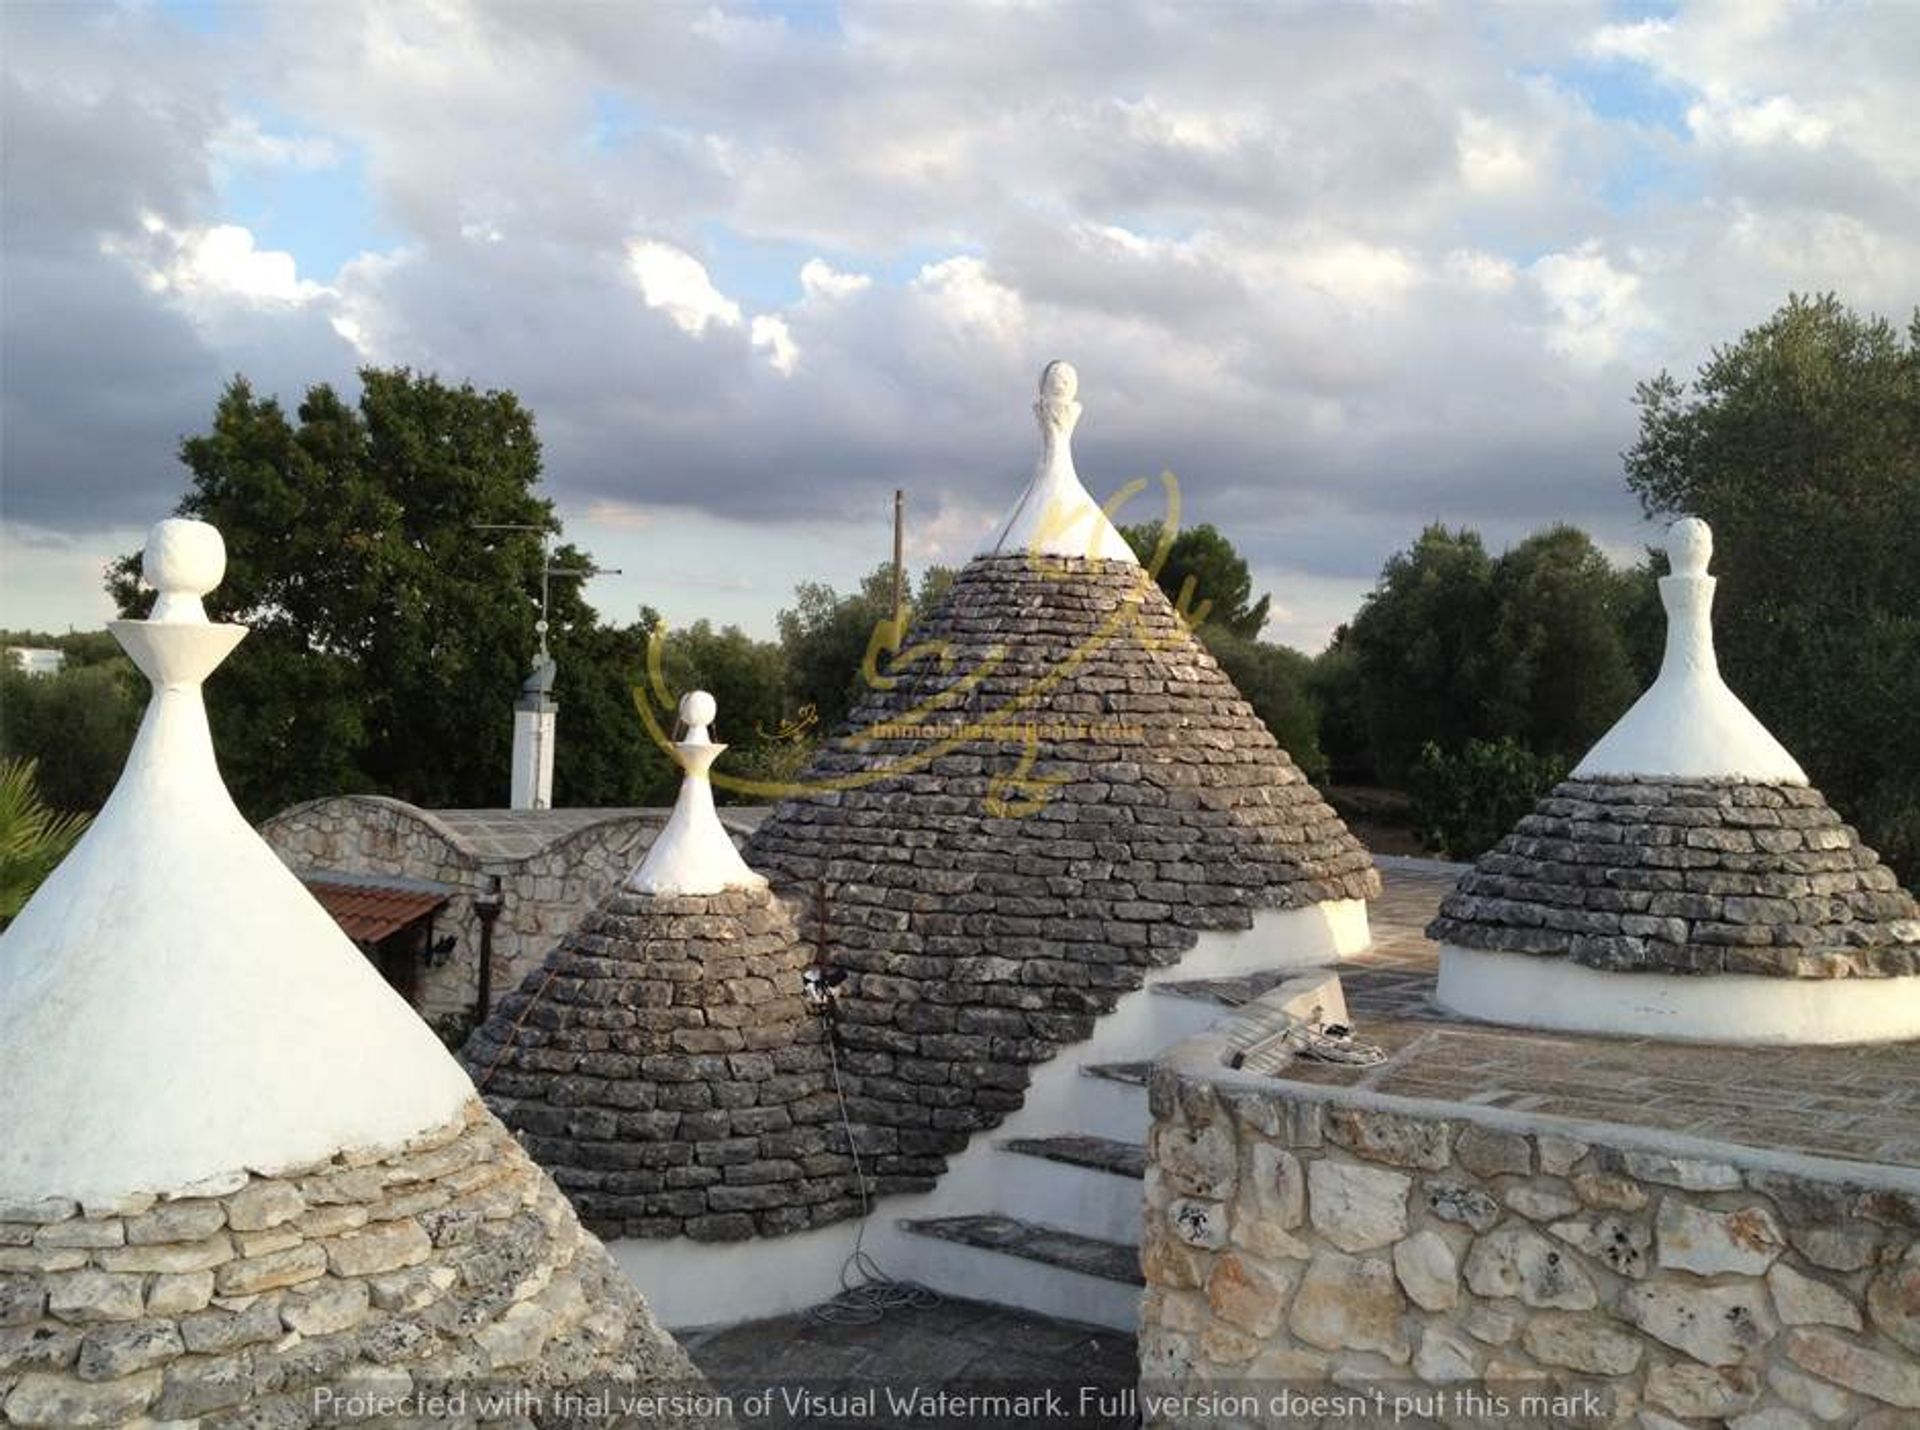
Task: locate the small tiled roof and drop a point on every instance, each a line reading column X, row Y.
column 367, row 913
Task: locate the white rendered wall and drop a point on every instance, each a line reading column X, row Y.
column 532, row 759
column 1553, row 993
column 692, row 1283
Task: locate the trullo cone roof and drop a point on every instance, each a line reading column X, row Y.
column 238, row 1176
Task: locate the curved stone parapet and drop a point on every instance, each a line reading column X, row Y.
column 445, row 1263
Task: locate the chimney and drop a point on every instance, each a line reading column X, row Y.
column 533, row 716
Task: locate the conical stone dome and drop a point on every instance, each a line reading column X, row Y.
column 1055, row 791
column 1688, row 851
column 661, row 1062
column 239, row 1180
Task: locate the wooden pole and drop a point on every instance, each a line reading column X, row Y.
column 899, row 556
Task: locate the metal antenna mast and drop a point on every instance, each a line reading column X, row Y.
column 547, row 570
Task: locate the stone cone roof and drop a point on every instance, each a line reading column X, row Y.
column 1687, row 876
column 662, row 1065
column 1058, row 790
column 1688, row 840
column 236, row 1170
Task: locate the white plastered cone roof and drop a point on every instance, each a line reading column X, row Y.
column 1688, row 724
column 694, row 854
column 1055, row 515
column 174, row 1005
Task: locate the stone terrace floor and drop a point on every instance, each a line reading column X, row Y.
column 960, row 1347
column 1857, row 1105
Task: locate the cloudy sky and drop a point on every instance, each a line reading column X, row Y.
column 1343, row 270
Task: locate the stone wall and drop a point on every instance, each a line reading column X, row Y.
column 1309, row 1238
column 447, row 1261
column 546, row 894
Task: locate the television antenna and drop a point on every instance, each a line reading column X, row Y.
column 547, row 571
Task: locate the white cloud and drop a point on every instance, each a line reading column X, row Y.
column 1596, row 306
column 243, row 142
column 819, row 279
column 969, row 298
column 213, row 264
column 771, row 335
column 676, row 282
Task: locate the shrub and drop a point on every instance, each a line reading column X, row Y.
column 1466, row 799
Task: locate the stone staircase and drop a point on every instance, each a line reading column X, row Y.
column 1058, row 1229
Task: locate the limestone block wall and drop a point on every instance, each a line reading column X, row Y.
column 251, row 1301
column 546, row 893
column 1302, row 1237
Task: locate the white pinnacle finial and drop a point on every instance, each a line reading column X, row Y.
column 1688, row 724
column 1055, row 515
column 694, row 854
column 1689, row 546
column 183, row 560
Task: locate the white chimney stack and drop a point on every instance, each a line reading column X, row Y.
column 533, row 721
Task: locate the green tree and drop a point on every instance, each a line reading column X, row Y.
column 1418, row 645
column 1800, row 445
column 75, row 726
column 827, row 637
column 390, row 632
column 33, row 837
column 1558, row 671
column 1204, row 575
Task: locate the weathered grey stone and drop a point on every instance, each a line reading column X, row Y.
column 1698, row 1391
column 1443, row 1357
column 264, row 1204
column 382, row 1247
column 517, row 1337
column 1893, row 1299
column 172, row 1222
column 1196, row 1161
column 1515, row 1260
column 1488, row 1153
column 1355, row 1207
column 201, row 1386
column 1198, row 1223
column 1890, row 1380
column 1252, row 1294
column 1347, row 1303
column 108, row 1352
column 1717, row 1326
column 23, row 1298
column 215, row 1332
column 1818, row 1398
column 88, row 1296
column 1459, row 1202
column 178, row 1295
column 51, row 1398
column 1842, row 1246
column 39, row 1212
column 170, row 1258
column 291, row 1267
column 1559, row 1155
column 79, row 1232
column 1609, row 1191
column 1770, row 1417
column 1417, row 1142
column 1275, row 1191
column 1540, row 1201
column 1806, row 1301
column 42, row 1347
column 1619, row 1243
column 1494, row 1324
column 328, row 1307
column 1427, row 1270
column 1687, row 1173
column 1581, row 1342
column 1745, row 1241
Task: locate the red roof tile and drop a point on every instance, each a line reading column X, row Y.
column 367, row 913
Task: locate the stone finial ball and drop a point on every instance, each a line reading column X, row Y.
column 697, row 708
column 1689, row 546
column 183, row 557
column 1059, row 382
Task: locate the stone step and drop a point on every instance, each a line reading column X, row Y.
column 1099, row 1154
column 1134, row 1073
column 1106, row 1260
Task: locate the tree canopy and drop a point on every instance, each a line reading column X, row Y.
column 1800, row 445
column 1203, row 575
